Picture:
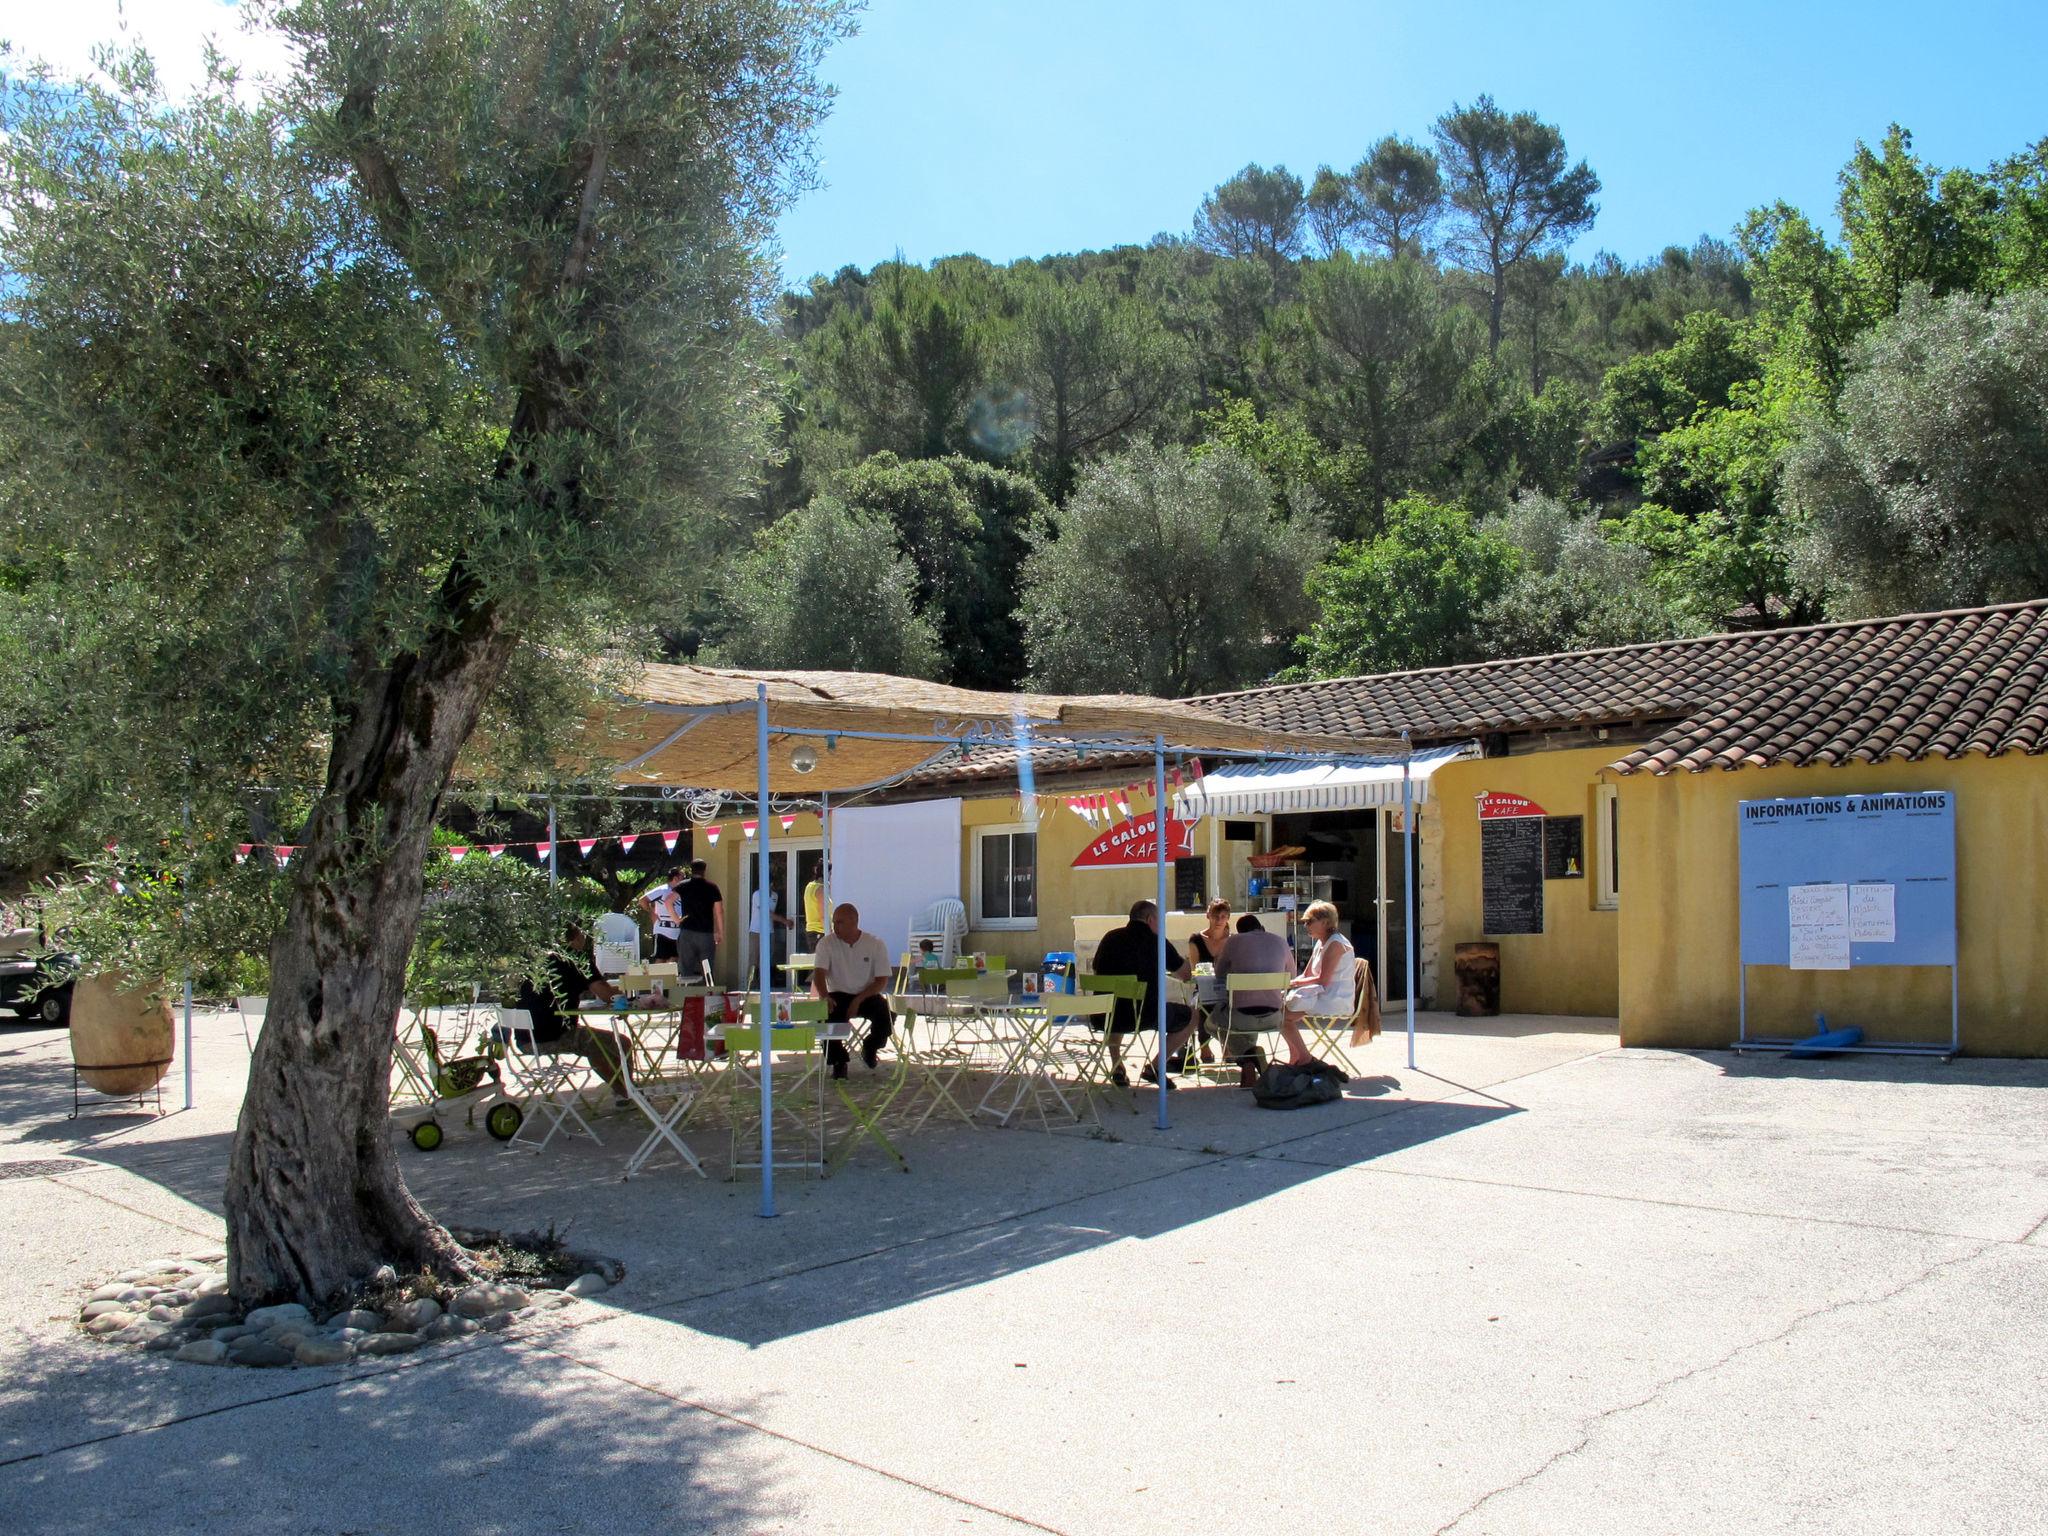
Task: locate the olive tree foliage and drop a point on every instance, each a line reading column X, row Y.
column 1926, row 487
column 1167, row 573
column 825, row 588
column 1575, row 587
column 338, row 419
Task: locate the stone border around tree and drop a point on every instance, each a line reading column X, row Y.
column 181, row 1307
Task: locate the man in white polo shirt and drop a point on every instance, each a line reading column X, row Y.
column 665, row 905
column 852, row 973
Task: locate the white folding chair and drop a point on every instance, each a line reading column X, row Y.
column 541, row 1075
column 253, row 1011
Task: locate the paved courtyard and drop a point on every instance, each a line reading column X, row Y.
column 1542, row 1285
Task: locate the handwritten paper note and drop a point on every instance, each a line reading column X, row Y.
column 1873, row 917
column 1820, row 927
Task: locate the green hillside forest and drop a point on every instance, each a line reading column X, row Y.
column 1372, row 418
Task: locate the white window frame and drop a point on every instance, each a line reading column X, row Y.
column 1606, row 847
column 980, row 919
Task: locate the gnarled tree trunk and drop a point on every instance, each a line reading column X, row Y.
column 315, row 1199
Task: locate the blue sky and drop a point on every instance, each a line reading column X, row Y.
column 1015, row 129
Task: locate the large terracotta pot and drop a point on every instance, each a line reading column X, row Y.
column 121, row 1040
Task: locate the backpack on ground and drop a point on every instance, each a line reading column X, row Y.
column 1282, row 1086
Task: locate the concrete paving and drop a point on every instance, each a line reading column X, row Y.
column 1540, row 1284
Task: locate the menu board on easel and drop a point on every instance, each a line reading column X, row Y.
column 1510, row 864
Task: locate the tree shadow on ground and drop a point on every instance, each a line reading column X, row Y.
column 491, row 1437
column 981, row 1203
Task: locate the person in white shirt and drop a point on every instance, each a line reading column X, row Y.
column 853, row 970
column 665, row 906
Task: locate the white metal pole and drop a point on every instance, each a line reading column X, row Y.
column 825, row 863
column 1159, row 867
column 1408, row 881
column 554, row 845
column 765, row 1016
column 1215, row 856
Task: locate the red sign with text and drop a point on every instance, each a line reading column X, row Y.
column 1503, row 807
column 1132, row 842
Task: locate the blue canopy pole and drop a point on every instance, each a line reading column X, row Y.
column 765, row 1015
column 1159, row 867
column 1408, row 879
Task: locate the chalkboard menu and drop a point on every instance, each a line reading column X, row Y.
column 1511, row 874
column 1190, row 883
column 1564, row 848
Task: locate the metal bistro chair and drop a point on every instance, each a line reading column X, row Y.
column 1361, row 1022
column 1249, row 1026
column 540, row 1074
column 1125, row 989
column 1076, row 1025
column 253, row 1011
column 799, row 1086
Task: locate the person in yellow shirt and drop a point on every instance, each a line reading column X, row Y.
column 814, row 913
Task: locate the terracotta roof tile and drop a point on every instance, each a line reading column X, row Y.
column 1920, row 685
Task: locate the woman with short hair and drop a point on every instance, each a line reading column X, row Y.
column 1327, row 988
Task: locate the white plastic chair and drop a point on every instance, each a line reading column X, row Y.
column 944, row 922
column 617, row 944
column 253, row 1011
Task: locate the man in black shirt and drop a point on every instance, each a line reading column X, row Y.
column 572, row 975
column 703, row 923
column 1133, row 950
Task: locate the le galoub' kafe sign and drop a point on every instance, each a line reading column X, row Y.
column 1133, row 842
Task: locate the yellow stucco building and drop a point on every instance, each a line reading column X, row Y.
column 1640, row 756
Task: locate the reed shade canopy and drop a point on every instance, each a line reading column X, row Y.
column 697, row 727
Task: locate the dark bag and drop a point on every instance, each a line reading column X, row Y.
column 1283, row 1087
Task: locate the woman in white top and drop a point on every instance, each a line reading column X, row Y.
column 1328, row 988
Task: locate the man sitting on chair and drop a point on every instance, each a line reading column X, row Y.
column 571, row 976
column 1133, row 950
column 1253, row 950
column 852, row 972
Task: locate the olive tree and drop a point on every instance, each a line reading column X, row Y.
column 339, row 417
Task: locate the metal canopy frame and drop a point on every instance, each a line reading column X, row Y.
column 1025, row 742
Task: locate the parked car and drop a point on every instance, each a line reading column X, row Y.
column 25, row 984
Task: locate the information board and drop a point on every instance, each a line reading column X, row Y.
column 1831, row 882
column 1511, row 875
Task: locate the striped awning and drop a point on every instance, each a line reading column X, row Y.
column 1339, row 784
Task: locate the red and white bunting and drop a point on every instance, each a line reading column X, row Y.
column 585, row 844
column 542, row 850
column 283, row 855
column 1195, row 766
column 494, row 849
column 627, row 840
column 711, row 835
column 668, row 839
column 787, row 822
column 458, row 852
column 749, row 828
column 242, row 852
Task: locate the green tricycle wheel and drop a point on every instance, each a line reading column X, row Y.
column 427, row 1135
column 503, row 1120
